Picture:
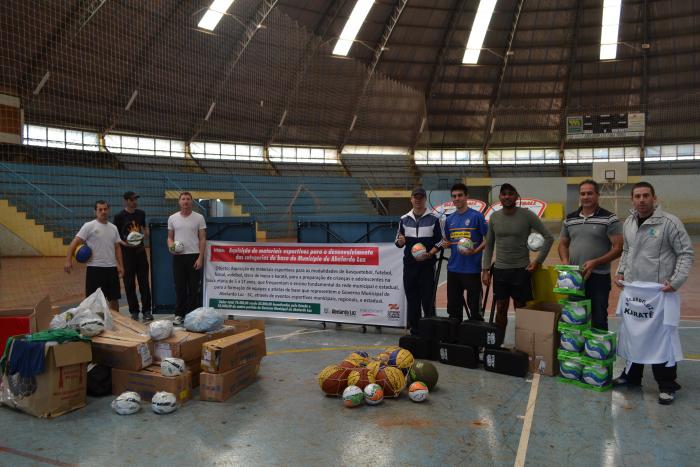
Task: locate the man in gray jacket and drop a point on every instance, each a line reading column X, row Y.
column 657, row 249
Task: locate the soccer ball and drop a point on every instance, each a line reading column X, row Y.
column 374, row 394
column 571, row 341
column 598, row 348
column 418, row 250
column 161, row 329
column 595, row 375
column 83, row 254
column 574, row 314
column 177, row 247
column 172, row 367
column 535, row 241
column 353, row 396
column 570, row 280
column 134, row 238
column 465, row 244
column 90, row 327
column 418, row 391
column 164, row 402
column 570, row 369
column 127, row 403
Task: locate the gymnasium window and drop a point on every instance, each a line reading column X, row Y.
column 448, row 157
column 38, row 135
column 226, row 151
column 303, row 155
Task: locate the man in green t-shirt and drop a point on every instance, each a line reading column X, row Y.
column 508, row 231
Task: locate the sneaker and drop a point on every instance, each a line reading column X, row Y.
column 135, row 316
column 623, row 380
column 178, row 321
column 147, row 317
column 667, row 397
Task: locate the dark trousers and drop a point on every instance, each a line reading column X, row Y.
column 136, row 269
column 598, row 290
column 457, row 283
column 419, row 285
column 188, row 284
column 665, row 376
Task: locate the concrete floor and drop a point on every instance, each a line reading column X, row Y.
column 472, row 418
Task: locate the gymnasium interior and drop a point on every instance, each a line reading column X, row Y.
column 297, row 122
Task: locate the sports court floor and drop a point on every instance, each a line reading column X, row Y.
column 472, row 417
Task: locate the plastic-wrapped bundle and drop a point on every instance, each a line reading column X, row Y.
column 203, row 319
column 161, row 329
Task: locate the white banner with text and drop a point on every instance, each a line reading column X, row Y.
column 358, row 283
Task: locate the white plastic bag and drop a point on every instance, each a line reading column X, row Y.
column 161, row 329
column 93, row 307
column 97, row 303
column 203, row 319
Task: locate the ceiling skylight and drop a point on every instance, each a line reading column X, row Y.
column 352, row 27
column 214, row 14
column 476, row 36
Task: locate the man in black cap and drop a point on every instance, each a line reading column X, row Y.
column 419, row 226
column 131, row 223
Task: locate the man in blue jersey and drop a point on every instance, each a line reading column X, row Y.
column 464, row 265
column 419, row 226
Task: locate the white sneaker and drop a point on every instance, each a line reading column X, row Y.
column 666, row 397
column 178, row 321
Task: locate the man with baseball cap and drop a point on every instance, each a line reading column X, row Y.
column 131, row 223
column 419, row 226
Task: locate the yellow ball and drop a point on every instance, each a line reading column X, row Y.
column 401, row 358
column 392, row 380
column 333, row 379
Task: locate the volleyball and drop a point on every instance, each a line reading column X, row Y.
column 83, row 254
column 401, row 358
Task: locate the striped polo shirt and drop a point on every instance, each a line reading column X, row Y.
column 590, row 236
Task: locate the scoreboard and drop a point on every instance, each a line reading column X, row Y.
column 625, row 125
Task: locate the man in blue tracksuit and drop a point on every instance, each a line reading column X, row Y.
column 419, row 226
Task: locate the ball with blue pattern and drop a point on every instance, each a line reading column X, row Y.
column 574, row 314
column 570, row 280
column 600, row 349
column 570, row 369
column 595, row 375
column 571, row 341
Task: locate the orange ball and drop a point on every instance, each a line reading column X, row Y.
column 333, row 379
column 392, row 380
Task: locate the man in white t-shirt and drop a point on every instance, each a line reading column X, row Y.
column 186, row 241
column 105, row 266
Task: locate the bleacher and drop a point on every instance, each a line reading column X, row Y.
column 61, row 197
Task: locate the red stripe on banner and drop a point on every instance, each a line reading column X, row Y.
column 321, row 255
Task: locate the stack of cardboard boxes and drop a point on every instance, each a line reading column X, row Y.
column 231, row 363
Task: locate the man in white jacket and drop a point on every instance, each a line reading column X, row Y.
column 656, row 249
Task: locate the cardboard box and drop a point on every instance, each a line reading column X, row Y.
column 220, row 386
column 536, row 334
column 128, row 346
column 188, row 345
column 61, row 388
column 149, row 381
column 195, row 367
column 16, row 321
column 246, row 324
column 233, row 351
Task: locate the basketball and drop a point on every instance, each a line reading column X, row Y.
column 348, row 364
column 401, row 358
column 392, row 380
column 374, row 394
column 360, row 377
column 83, row 254
column 418, row 250
column 425, row 372
column 333, row 380
column 418, row 391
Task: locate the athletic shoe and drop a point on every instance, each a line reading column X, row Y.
column 623, row 380
column 667, row 397
column 135, row 316
column 147, row 317
column 178, row 321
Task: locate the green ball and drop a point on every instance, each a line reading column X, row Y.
column 425, row 372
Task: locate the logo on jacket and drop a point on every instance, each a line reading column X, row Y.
column 653, row 233
column 467, row 222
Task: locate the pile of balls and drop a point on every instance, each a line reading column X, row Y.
column 128, row 403
column 362, row 378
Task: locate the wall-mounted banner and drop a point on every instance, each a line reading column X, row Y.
column 535, row 205
column 360, row 283
column 447, row 208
